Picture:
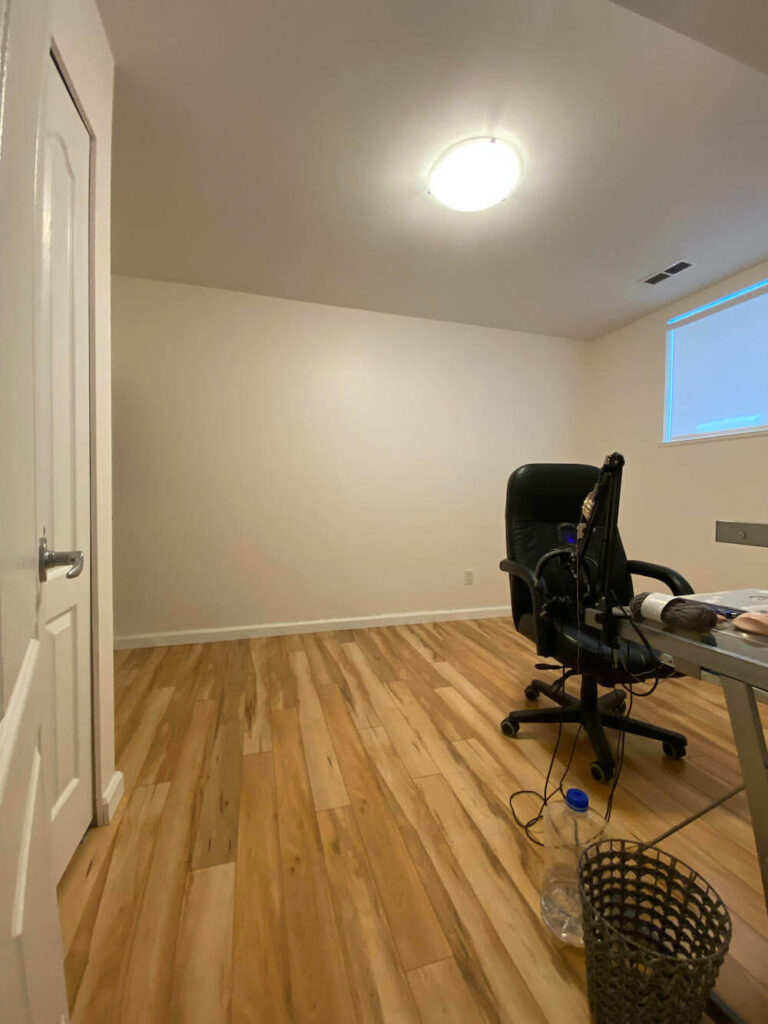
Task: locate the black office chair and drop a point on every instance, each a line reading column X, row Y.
column 540, row 498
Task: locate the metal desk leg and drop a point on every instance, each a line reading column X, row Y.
column 750, row 744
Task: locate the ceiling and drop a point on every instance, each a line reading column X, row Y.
column 737, row 27
column 282, row 147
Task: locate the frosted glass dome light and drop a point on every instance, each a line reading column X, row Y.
column 475, row 174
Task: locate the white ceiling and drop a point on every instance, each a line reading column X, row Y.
column 282, row 147
column 736, row 27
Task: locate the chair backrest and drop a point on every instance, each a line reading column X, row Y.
column 540, row 496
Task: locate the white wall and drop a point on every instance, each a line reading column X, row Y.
column 284, row 462
column 674, row 493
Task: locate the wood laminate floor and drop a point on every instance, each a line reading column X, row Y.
column 316, row 829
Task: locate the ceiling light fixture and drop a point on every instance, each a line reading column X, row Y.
column 475, row 174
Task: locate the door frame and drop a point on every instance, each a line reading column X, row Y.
column 79, row 47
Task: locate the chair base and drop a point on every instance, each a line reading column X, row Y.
column 595, row 714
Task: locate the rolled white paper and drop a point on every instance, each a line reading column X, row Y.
column 654, row 605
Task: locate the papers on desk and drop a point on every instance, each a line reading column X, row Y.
column 753, row 600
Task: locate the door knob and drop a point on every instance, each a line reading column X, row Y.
column 50, row 559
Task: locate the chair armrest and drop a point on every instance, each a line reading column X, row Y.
column 678, row 584
column 522, row 572
column 535, row 585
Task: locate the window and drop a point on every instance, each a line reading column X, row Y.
column 717, row 367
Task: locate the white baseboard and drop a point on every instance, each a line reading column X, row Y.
column 205, row 636
column 111, row 797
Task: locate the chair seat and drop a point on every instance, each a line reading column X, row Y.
column 596, row 658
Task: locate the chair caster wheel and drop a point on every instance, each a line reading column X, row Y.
column 531, row 693
column 510, row 728
column 675, row 751
column 599, row 773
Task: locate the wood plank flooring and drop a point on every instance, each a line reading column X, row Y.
column 316, row 829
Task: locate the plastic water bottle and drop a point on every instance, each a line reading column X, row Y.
column 569, row 826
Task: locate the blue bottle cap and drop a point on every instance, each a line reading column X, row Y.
column 577, row 799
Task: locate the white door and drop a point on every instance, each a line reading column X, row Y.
column 62, row 460
column 31, row 969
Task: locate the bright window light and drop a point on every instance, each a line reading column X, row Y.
column 717, row 368
column 475, row 174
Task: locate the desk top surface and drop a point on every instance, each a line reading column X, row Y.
column 724, row 650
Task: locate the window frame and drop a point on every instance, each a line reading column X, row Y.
column 700, row 313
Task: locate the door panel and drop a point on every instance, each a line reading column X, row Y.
column 63, row 462
column 22, row 52
column 62, row 632
column 35, row 903
column 60, row 227
column 31, row 975
column 31, row 969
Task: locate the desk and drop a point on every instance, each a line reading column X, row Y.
column 738, row 662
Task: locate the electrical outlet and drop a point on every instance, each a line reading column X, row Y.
column 469, row 577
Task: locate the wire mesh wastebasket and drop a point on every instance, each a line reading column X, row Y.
column 655, row 935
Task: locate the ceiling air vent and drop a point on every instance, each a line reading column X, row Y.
column 662, row 275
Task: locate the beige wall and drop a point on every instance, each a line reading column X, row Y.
column 674, row 493
column 284, row 462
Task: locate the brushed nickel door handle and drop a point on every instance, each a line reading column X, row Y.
column 50, row 559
